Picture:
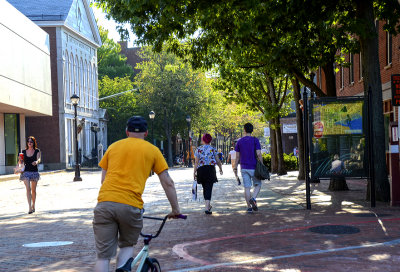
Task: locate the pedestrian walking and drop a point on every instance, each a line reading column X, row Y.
column 248, row 151
column 232, row 159
column 206, row 157
column 30, row 176
column 118, row 214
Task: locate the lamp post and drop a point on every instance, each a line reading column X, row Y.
column 152, row 115
column 95, row 128
column 188, row 120
column 75, row 101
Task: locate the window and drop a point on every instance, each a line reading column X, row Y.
column 351, row 68
column 360, row 67
column 341, row 77
column 319, row 77
column 388, row 49
column 11, row 137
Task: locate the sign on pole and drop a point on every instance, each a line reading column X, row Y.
column 337, row 139
column 395, row 90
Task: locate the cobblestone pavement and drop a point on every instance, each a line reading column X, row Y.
column 348, row 235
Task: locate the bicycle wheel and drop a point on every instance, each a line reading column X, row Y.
column 151, row 265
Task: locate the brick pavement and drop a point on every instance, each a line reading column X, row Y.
column 277, row 238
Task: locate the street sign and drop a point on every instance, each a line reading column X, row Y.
column 318, row 129
column 395, row 90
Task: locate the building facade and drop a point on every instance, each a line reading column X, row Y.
column 25, row 81
column 349, row 82
column 74, row 39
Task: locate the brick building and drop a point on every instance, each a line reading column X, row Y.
column 349, row 80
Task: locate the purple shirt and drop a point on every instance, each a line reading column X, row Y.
column 247, row 147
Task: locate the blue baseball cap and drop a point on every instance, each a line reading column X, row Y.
column 136, row 124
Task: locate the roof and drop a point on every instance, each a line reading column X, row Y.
column 43, row 10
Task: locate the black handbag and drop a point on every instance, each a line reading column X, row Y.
column 261, row 171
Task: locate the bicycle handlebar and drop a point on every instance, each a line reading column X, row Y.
column 151, row 236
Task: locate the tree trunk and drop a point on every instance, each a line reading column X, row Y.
column 279, row 148
column 274, row 158
column 338, row 184
column 300, row 132
column 372, row 78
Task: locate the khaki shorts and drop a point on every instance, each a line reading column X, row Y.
column 115, row 223
column 233, row 162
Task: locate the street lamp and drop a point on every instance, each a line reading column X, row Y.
column 75, row 101
column 95, row 128
column 188, row 120
column 152, row 115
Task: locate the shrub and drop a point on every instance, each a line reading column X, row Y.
column 290, row 161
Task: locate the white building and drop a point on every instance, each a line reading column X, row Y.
column 74, row 39
column 25, row 83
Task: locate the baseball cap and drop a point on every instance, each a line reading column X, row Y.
column 136, row 124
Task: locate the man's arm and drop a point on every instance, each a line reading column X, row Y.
column 103, row 175
column 259, row 155
column 169, row 188
column 237, row 160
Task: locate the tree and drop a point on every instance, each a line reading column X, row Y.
column 172, row 89
column 261, row 33
column 120, row 108
column 109, row 58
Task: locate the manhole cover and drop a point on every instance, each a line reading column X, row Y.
column 48, row 244
column 371, row 215
column 334, row 229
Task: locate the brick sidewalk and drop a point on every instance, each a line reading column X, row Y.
column 277, row 238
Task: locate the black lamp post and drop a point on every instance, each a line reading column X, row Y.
column 75, row 101
column 152, row 115
column 95, row 128
column 188, row 120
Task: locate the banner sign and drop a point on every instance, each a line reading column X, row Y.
column 395, row 90
column 337, row 137
column 289, row 128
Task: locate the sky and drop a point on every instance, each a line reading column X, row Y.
column 110, row 25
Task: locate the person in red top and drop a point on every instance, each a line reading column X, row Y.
column 118, row 214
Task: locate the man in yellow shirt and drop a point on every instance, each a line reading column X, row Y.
column 118, row 214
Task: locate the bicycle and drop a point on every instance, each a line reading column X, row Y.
column 145, row 262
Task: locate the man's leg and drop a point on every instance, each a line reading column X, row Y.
column 256, row 190
column 102, row 265
column 123, row 255
column 247, row 196
column 247, row 186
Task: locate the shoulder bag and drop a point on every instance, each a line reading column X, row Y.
column 261, row 171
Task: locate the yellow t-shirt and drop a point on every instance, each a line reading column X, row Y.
column 128, row 163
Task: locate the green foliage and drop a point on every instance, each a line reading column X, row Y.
column 290, row 161
column 110, row 61
column 120, row 108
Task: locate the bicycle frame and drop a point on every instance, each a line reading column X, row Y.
column 144, row 253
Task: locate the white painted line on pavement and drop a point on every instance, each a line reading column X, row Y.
column 211, row 266
column 48, row 244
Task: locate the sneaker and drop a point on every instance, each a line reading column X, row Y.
column 253, row 204
column 249, row 210
column 207, row 212
column 238, row 181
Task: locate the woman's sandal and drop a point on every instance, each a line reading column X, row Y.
column 208, row 211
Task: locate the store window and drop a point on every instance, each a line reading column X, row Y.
column 11, row 135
